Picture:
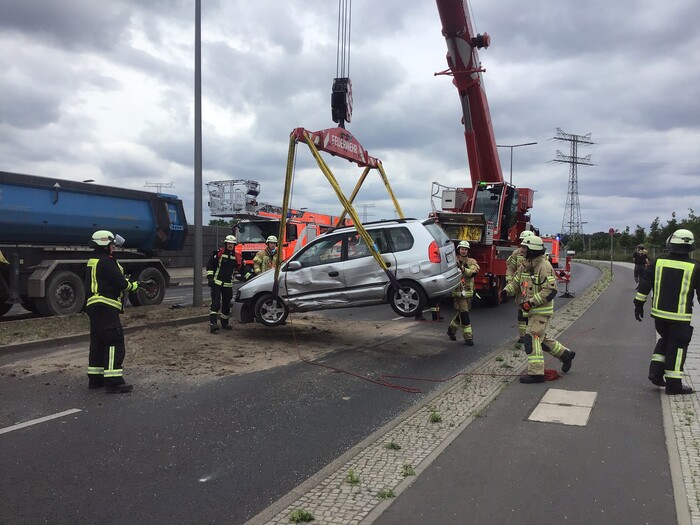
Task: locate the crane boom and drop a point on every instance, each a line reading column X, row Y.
column 465, row 68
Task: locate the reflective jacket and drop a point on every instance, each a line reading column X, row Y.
column 536, row 284
column 673, row 278
column 469, row 269
column 222, row 266
column 513, row 263
column 264, row 260
column 104, row 280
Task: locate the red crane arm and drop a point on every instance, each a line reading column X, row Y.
column 464, row 65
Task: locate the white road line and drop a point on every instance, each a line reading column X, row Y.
column 39, row 420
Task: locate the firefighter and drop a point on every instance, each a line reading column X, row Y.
column 463, row 294
column 538, row 287
column 674, row 278
column 221, row 270
column 265, row 259
column 106, row 284
column 512, row 270
column 641, row 261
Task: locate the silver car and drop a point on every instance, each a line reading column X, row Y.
column 337, row 270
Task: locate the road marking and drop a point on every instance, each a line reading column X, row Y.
column 39, row 420
column 564, row 406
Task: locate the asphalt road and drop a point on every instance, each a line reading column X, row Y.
column 218, row 452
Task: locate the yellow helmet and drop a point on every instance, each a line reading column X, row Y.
column 533, row 242
column 271, row 238
column 525, row 233
column 230, row 239
column 463, row 244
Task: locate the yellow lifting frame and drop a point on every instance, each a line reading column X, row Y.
column 348, row 208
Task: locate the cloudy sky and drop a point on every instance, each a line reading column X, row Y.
column 104, row 90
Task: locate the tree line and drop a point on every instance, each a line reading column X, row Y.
column 624, row 242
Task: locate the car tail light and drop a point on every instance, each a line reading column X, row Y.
column 434, row 252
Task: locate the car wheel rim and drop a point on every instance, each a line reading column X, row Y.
column 271, row 311
column 406, row 299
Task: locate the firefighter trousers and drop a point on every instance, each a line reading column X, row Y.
column 671, row 349
column 107, row 349
column 220, row 301
column 461, row 319
column 537, row 341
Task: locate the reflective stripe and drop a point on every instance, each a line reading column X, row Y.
column 104, row 300
column 641, row 297
column 114, row 373
column 547, row 309
column 658, row 358
column 95, row 370
column 110, row 366
column 682, row 308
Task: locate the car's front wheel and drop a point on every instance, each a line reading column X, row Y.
column 409, row 300
column 270, row 311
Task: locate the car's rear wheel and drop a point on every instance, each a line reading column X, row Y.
column 409, row 300
column 270, row 311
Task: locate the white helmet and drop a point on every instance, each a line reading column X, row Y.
column 533, row 242
column 525, row 233
column 681, row 241
column 230, row 239
column 105, row 238
column 271, row 238
column 463, row 244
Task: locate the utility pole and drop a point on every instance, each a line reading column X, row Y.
column 198, row 229
column 364, row 211
column 571, row 224
column 511, row 154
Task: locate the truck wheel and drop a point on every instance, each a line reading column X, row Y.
column 65, row 295
column 408, row 301
column 4, row 307
column 269, row 311
column 148, row 295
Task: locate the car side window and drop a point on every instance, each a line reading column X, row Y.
column 379, row 238
column 401, row 239
column 357, row 247
column 325, row 251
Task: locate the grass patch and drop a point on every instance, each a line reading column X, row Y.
column 407, row 470
column 386, row 494
column 301, row 516
column 435, row 417
column 352, row 478
column 392, row 446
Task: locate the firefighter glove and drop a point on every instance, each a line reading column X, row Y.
column 526, row 306
column 504, row 295
column 638, row 310
column 210, row 280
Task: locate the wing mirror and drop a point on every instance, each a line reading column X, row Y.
column 293, row 265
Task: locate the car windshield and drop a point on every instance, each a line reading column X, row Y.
column 256, row 231
column 488, row 202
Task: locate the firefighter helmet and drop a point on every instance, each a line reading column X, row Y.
column 102, row 238
column 681, row 241
column 525, row 233
column 230, row 239
column 463, row 244
column 272, row 238
column 533, row 243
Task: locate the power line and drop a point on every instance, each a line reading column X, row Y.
column 571, row 223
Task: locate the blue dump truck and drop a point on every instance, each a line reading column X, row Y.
column 45, row 226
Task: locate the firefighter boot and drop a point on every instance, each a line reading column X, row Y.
column 213, row 325
column 527, row 379
column 225, row 325
column 95, row 381
column 675, row 387
column 566, row 358
column 451, row 333
column 118, row 388
column 656, row 373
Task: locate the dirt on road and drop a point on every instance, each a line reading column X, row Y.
column 191, row 352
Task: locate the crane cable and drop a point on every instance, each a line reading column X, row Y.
column 342, row 60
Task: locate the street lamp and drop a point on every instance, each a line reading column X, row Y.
column 511, row 154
